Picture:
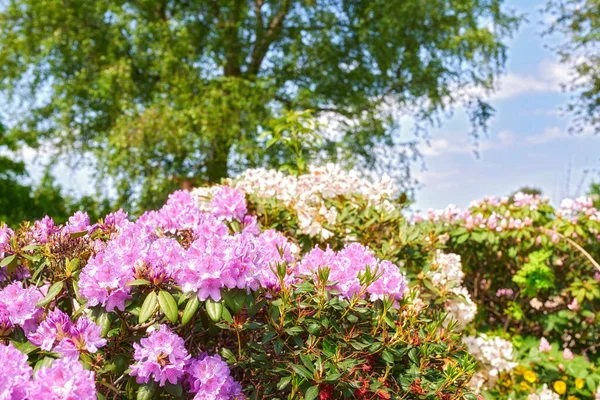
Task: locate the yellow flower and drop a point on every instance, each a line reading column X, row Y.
column 579, row 383
column 520, row 370
column 530, row 376
column 573, row 398
column 560, row 387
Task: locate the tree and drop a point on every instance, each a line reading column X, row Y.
column 594, row 193
column 579, row 22
column 527, row 190
column 21, row 200
column 168, row 93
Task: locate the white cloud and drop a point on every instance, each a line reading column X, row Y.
column 555, row 133
column 437, row 147
column 549, row 135
column 548, row 78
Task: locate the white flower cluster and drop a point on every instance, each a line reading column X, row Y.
column 494, row 355
column 570, row 208
column 204, row 195
column 307, row 193
column 447, row 270
column 545, row 394
column 447, row 274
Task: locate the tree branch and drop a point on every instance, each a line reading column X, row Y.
column 261, row 46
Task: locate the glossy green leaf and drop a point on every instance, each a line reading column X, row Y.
column 190, row 310
column 148, row 307
column 214, row 309
column 54, row 290
column 168, row 305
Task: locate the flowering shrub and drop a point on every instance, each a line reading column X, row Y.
column 201, row 302
column 513, row 269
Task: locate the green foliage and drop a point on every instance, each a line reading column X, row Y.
column 300, row 342
column 579, row 22
column 535, row 275
column 531, row 269
column 295, row 133
column 315, row 342
column 169, row 94
column 21, row 200
column 580, row 376
column 594, row 193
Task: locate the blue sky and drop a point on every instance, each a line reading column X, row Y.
column 528, row 141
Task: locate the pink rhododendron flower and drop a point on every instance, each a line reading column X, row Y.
column 161, row 357
column 545, row 346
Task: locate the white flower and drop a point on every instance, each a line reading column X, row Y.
column 494, row 355
column 306, row 194
column 447, row 271
column 535, row 303
column 462, row 310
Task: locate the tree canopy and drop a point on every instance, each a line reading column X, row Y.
column 579, row 22
column 21, row 199
column 170, row 93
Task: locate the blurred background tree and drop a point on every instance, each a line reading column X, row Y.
column 527, row 190
column 579, row 22
column 21, row 200
column 166, row 94
column 594, row 193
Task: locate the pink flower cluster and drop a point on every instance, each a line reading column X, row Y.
column 570, row 208
column 484, row 214
column 17, row 307
column 481, row 214
column 162, row 357
column 210, row 379
column 65, row 379
column 217, row 259
column 214, row 260
column 57, row 333
column 5, row 234
column 347, row 265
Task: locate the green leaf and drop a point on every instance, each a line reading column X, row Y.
column 308, row 362
column 138, row 282
column 214, row 310
column 175, row 390
column 103, row 321
column 227, row 315
column 235, row 299
column 54, row 290
column 387, row 356
column 284, row 382
column 30, row 247
column 25, row 347
column 190, row 310
column 146, row 391
column 43, row 363
column 39, row 270
column 312, row 393
column 7, row 260
column 168, row 305
column 148, row 307
column 75, row 235
column 228, row 355
column 302, row 371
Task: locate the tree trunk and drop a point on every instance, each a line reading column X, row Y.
column 216, row 164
